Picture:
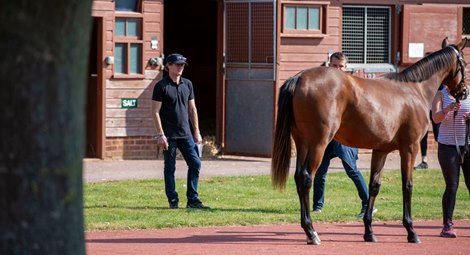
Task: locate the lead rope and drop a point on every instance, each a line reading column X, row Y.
column 467, row 131
column 455, row 137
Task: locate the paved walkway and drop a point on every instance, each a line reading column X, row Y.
column 338, row 238
column 105, row 170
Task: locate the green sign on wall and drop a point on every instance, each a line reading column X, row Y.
column 128, row 102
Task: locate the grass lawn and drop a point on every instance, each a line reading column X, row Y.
column 251, row 200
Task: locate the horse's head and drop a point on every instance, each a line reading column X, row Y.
column 455, row 81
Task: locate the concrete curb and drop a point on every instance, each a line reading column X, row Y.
column 96, row 170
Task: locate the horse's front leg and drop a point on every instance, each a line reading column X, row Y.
column 377, row 164
column 407, row 162
column 303, row 181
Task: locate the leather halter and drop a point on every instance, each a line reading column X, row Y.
column 461, row 65
column 461, row 69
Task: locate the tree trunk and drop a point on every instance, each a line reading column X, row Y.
column 44, row 50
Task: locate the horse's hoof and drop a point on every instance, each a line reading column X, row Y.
column 315, row 240
column 413, row 239
column 370, row 238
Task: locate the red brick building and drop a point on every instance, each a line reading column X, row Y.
column 239, row 53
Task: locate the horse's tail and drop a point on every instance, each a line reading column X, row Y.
column 281, row 154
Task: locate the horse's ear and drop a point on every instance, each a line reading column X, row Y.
column 462, row 44
column 445, row 42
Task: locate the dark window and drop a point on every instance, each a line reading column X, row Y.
column 466, row 21
column 262, row 33
column 366, row 34
column 250, row 37
column 237, row 32
column 127, row 5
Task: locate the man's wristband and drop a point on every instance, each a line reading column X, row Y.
column 159, row 135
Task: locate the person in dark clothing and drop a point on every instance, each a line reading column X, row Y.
column 424, row 141
column 173, row 107
column 348, row 156
column 452, row 116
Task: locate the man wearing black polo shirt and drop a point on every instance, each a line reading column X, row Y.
column 173, row 106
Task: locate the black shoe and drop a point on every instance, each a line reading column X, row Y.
column 422, row 165
column 196, row 205
column 173, row 203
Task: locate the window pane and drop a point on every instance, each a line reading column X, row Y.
column 302, row 18
column 262, row 33
column 136, row 58
column 313, row 18
column 366, row 34
column 290, row 17
column 250, row 35
column 126, row 5
column 120, row 58
column 237, row 32
column 377, row 35
column 120, row 27
column 133, row 27
column 466, row 21
column 353, row 34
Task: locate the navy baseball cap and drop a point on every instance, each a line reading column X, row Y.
column 176, row 58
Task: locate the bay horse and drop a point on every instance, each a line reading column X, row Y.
column 384, row 114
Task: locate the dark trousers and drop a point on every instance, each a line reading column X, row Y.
column 424, row 141
column 348, row 157
column 187, row 149
column 450, row 162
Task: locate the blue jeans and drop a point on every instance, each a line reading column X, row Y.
column 348, row 157
column 187, row 149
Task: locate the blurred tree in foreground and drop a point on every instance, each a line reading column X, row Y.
column 44, row 50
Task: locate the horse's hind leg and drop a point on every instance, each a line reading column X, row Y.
column 407, row 162
column 303, row 181
column 377, row 164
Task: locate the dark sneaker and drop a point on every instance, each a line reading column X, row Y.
column 173, row 203
column 422, row 165
column 363, row 211
column 448, row 231
column 196, row 205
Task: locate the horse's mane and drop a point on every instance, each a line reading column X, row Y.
column 425, row 68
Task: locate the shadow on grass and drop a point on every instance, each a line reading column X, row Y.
column 212, row 209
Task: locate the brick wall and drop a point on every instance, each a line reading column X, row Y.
column 132, row 147
column 145, row 147
column 432, row 144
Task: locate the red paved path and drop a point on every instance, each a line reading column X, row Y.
column 342, row 238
